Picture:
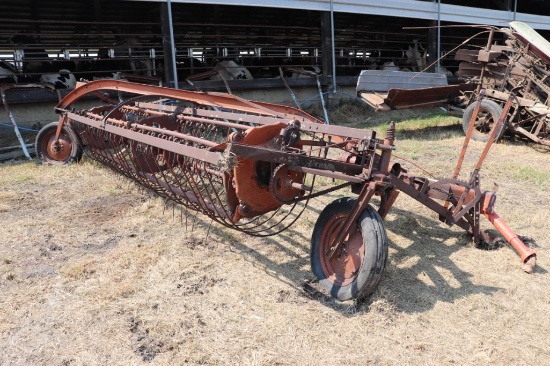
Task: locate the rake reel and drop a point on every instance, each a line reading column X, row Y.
column 252, row 167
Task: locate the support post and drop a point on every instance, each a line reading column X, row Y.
column 170, row 72
column 15, row 128
column 326, row 47
column 432, row 46
column 332, row 47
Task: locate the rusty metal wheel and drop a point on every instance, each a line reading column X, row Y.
column 280, row 184
column 66, row 150
column 356, row 270
column 487, row 118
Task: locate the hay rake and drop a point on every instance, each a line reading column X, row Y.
column 252, row 166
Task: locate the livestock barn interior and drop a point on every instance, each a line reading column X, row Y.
column 58, row 42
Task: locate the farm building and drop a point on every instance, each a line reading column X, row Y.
column 209, row 270
column 60, row 42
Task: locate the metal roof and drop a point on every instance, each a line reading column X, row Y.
column 397, row 8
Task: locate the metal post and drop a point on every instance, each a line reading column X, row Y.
column 326, row 49
column 15, row 128
column 515, row 8
column 333, row 47
column 438, row 65
column 174, row 50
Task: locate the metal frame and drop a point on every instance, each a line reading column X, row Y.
column 518, row 68
column 253, row 166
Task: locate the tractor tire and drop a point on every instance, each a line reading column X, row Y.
column 356, row 271
column 67, row 150
column 487, row 118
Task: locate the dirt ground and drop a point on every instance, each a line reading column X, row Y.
column 94, row 271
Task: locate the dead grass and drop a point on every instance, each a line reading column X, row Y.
column 95, row 271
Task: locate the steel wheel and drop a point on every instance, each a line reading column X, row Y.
column 487, row 118
column 280, row 184
column 357, row 269
column 66, row 150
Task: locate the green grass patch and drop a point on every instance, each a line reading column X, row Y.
column 528, row 174
column 435, row 119
column 419, row 124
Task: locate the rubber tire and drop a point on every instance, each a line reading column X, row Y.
column 488, row 107
column 375, row 246
column 68, row 133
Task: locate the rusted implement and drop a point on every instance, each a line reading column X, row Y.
column 385, row 90
column 253, row 166
column 522, row 65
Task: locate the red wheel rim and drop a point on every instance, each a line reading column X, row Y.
column 280, row 184
column 344, row 267
column 59, row 150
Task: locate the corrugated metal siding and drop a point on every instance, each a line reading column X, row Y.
column 380, row 80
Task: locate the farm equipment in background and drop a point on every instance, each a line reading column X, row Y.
column 385, row 90
column 253, row 167
column 521, row 66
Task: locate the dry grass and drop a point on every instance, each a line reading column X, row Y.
column 94, row 271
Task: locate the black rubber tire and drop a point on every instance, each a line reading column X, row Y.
column 375, row 251
column 71, row 151
column 489, row 113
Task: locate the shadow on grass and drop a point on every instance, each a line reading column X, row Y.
column 545, row 149
column 426, row 275
column 403, row 287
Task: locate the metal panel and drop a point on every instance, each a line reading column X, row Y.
column 398, row 8
column 381, row 80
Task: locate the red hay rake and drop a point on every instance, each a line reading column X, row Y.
column 252, row 167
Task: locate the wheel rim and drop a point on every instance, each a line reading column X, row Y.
column 344, row 267
column 280, row 184
column 484, row 122
column 58, row 150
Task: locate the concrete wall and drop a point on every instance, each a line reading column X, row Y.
column 27, row 116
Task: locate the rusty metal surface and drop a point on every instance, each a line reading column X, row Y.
column 246, row 165
column 387, row 90
column 521, row 65
column 253, row 166
column 426, row 97
column 468, row 134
